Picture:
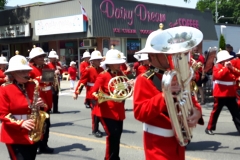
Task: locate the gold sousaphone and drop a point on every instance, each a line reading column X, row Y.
column 176, row 43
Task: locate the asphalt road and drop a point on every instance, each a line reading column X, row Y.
column 71, row 136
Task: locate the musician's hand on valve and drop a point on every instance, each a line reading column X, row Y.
column 28, row 124
column 228, row 64
column 130, row 82
column 40, row 103
column 193, row 119
column 175, row 87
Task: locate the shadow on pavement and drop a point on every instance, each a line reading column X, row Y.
column 205, row 145
column 71, row 147
column 67, row 112
column 229, row 133
column 128, row 131
column 61, row 124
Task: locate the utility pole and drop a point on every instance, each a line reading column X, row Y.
column 216, row 12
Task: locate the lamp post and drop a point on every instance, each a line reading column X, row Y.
column 216, row 12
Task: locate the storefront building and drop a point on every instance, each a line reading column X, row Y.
column 62, row 26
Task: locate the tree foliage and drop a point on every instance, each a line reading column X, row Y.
column 230, row 9
column 222, row 42
column 2, row 3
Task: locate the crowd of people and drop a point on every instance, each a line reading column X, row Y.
column 36, row 84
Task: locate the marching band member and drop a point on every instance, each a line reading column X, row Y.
column 16, row 99
column 3, row 77
column 36, row 59
column 224, row 91
column 88, row 79
column 150, row 107
column 111, row 113
column 236, row 63
column 136, row 64
column 82, row 67
column 144, row 64
column 202, row 78
column 53, row 64
column 72, row 72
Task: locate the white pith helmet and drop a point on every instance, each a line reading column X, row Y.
column 72, row 62
column 36, row 51
column 53, row 54
column 238, row 53
column 18, row 63
column 3, row 60
column 148, row 48
column 113, row 56
column 122, row 55
column 96, row 55
column 86, row 54
column 223, row 55
column 143, row 57
column 137, row 56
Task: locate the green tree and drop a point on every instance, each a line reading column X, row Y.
column 222, row 42
column 230, row 9
column 2, row 3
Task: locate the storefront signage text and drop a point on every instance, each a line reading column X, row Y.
column 131, row 31
column 185, row 22
column 15, row 31
column 108, row 8
column 69, row 24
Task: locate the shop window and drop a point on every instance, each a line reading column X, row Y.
column 133, row 45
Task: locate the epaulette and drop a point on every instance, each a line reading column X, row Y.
column 148, row 74
column 6, row 84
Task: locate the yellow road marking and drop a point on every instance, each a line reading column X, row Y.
column 104, row 142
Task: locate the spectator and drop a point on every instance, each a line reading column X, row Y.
column 72, row 71
column 229, row 48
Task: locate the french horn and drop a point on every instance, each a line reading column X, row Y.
column 118, row 89
column 176, row 43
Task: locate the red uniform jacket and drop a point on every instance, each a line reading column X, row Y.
column 123, row 68
column 2, row 76
column 72, row 71
column 88, row 79
column 45, row 88
column 135, row 67
column 142, row 69
column 83, row 65
column 14, row 105
column 223, row 75
column 108, row 109
column 150, row 108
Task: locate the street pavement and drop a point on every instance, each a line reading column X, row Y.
column 70, row 135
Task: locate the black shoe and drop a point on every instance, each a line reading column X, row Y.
column 87, row 106
column 202, row 103
column 97, row 134
column 210, row 132
column 47, row 150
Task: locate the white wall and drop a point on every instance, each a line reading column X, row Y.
column 231, row 35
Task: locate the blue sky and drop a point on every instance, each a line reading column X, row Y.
column 179, row 3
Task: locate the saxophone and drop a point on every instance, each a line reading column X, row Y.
column 175, row 44
column 37, row 115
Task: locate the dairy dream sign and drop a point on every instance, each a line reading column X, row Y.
column 108, row 8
